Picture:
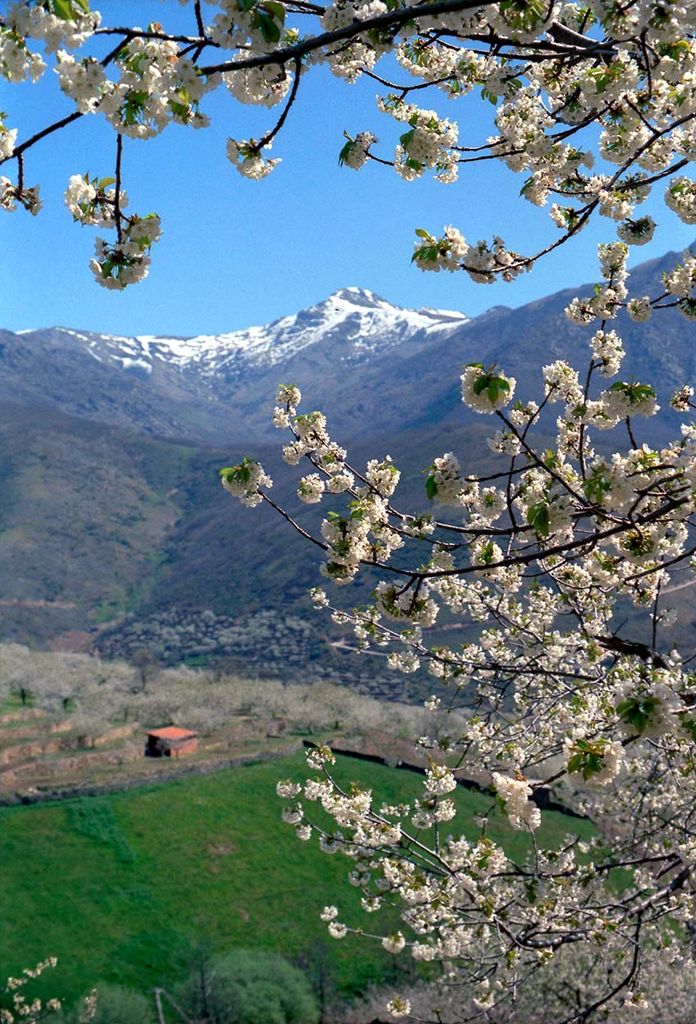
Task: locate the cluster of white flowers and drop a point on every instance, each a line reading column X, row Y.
column 17, row 62
column 682, row 398
column 287, row 789
column 485, row 390
column 403, row 604
column 91, row 201
column 249, row 159
column 561, row 383
column 264, row 86
column 639, row 309
column 310, row 489
column 11, row 195
column 7, row 138
column 681, row 282
column 355, row 152
column 445, row 253
column 383, row 476
column 522, row 812
column 237, row 25
column 84, row 81
column 394, row 943
column 427, row 142
column 597, row 762
column 126, row 261
column 439, row 780
column 70, row 26
column 632, row 399
column 680, row 196
column 608, row 349
column 157, row 86
column 608, row 298
column 445, row 482
column 637, row 232
column 245, row 480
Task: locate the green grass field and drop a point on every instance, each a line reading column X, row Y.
column 121, row 888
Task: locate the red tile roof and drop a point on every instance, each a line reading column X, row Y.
column 172, row 732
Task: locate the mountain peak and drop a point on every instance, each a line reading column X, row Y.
column 355, row 296
column 354, row 324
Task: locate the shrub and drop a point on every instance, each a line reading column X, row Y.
column 249, row 987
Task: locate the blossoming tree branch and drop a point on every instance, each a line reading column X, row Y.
column 566, row 80
column 595, row 107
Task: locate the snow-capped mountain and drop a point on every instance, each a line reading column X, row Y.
column 357, row 323
column 375, row 368
column 109, row 447
column 214, row 387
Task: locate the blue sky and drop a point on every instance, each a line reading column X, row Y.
column 236, row 252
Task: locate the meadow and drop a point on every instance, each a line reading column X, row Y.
column 126, row 887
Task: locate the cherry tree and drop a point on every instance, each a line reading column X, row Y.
column 595, row 106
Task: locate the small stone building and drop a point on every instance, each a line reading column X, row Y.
column 171, row 741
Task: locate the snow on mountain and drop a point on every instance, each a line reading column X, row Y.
column 357, row 322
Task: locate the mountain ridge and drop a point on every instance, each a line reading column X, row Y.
column 365, row 314
column 111, row 504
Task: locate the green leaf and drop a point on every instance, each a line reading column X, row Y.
column 492, row 384
column 430, row 487
column 588, row 759
column 345, row 151
column 65, row 9
column 426, row 253
column 487, row 553
column 597, row 485
column 242, row 472
column 635, row 392
column 538, row 518
column 267, row 26
column 637, row 711
column 275, row 9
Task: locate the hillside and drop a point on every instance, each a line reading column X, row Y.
column 87, row 509
column 114, row 531
column 221, row 884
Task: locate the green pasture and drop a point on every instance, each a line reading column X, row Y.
column 122, row 888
